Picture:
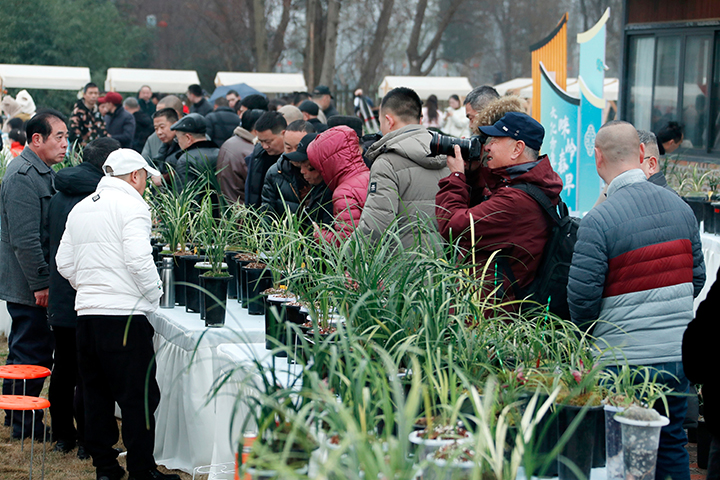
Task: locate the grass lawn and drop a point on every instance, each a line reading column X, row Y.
column 15, row 464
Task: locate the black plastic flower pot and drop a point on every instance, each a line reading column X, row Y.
column 242, row 259
column 179, row 276
column 580, row 447
column 599, row 451
column 232, row 270
column 215, row 293
column 697, row 203
column 546, row 434
column 275, row 318
column 201, row 297
column 295, row 315
column 257, row 280
column 712, row 220
column 192, row 276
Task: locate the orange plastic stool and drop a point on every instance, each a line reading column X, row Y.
column 24, row 373
column 23, row 403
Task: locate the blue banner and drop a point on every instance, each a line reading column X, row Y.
column 589, row 182
column 591, row 80
column 559, row 116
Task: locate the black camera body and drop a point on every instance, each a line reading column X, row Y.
column 471, row 148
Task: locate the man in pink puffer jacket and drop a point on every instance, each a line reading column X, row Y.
column 336, row 154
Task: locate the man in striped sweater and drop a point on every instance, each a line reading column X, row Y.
column 637, row 266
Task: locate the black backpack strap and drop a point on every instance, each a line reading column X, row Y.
column 537, row 194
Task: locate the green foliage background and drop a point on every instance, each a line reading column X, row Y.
column 82, row 33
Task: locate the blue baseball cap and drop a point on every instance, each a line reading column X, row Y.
column 518, row 126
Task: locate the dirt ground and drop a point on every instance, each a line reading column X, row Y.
column 15, row 464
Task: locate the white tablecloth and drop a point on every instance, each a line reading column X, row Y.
column 230, row 357
column 190, row 431
column 186, row 358
column 711, row 252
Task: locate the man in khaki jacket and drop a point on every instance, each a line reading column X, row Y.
column 403, row 177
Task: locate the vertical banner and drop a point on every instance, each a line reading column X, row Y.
column 552, row 52
column 591, row 80
column 559, row 116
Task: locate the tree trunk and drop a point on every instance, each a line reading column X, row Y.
column 414, row 43
column 310, row 14
column 375, row 57
column 331, row 36
column 278, row 42
column 416, row 59
column 261, row 54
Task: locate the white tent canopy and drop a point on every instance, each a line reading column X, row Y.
column 43, row 76
column 264, row 82
column 442, row 87
column 514, row 84
column 165, row 81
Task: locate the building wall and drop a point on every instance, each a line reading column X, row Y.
column 654, row 11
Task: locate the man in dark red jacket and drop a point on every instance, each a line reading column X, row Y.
column 507, row 219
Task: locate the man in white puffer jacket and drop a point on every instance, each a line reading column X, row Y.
column 106, row 256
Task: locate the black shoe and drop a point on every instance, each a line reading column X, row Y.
column 82, row 453
column 153, row 474
column 115, row 472
column 65, row 446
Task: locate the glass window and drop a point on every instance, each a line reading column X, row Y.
column 667, row 73
column 695, row 90
column 640, row 80
column 715, row 111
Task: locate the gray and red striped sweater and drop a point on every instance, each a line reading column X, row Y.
column 637, row 266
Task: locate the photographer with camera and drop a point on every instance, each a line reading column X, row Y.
column 404, row 176
column 508, row 219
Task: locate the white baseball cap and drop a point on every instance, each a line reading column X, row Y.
column 124, row 161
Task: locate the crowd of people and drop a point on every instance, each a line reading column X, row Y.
column 75, row 244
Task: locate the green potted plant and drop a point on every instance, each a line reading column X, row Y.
column 173, row 211
column 444, row 395
column 626, row 386
column 213, row 234
column 693, row 191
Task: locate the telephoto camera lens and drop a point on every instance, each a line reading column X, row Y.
column 470, row 148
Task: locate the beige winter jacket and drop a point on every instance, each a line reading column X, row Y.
column 403, row 184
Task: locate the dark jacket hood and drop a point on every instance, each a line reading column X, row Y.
column 411, row 142
column 80, row 180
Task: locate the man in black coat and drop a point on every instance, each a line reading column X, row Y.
column 119, row 124
column 701, row 364
column 310, row 111
column 143, row 123
column 66, row 396
column 199, row 102
column 222, row 122
column 323, row 97
column 270, row 129
column 197, row 155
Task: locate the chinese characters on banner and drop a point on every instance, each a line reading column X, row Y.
column 571, row 124
column 559, row 116
column 591, row 80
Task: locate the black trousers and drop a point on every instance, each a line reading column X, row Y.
column 115, row 368
column 66, row 391
column 30, row 343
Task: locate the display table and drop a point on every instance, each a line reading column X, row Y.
column 234, row 361
column 186, row 356
column 711, row 252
